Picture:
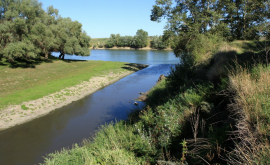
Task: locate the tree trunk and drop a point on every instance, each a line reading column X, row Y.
column 46, row 54
column 62, row 56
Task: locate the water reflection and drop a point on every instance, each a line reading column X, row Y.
column 133, row 56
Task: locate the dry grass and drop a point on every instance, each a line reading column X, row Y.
column 253, row 95
column 252, row 104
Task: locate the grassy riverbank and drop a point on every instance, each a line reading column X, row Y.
column 31, row 91
column 23, row 82
column 212, row 109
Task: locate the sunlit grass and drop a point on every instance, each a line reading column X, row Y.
column 23, row 84
column 253, row 95
column 112, row 144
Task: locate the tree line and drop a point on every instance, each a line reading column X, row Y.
column 140, row 40
column 231, row 20
column 29, row 32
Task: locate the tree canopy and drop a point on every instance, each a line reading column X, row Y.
column 140, row 40
column 231, row 19
column 27, row 31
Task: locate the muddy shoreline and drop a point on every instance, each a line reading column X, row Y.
column 18, row 114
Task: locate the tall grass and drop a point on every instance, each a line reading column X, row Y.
column 251, row 104
column 112, row 144
column 253, row 95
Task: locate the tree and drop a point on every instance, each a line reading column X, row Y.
column 231, row 19
column 157, row 43
column 140, row 39
column 27, row 31
column 43, row 38
column 16, row 21
column 70, row 39
column 125, row 41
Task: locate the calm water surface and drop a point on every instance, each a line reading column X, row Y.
column 149, row 57
column 27, row 143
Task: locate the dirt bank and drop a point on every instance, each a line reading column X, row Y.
column 18, row 114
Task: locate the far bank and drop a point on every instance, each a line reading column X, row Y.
column 129, row 48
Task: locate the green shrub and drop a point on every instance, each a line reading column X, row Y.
column 202, row 47
column 157, row 43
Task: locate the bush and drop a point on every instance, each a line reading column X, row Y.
column 109, row 44
column 202, row 47
column 157, row 43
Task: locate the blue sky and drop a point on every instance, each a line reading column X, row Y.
column 101, row 18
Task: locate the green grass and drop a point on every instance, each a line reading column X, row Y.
column 22, row 84
column 192, row 118
column 113, row 144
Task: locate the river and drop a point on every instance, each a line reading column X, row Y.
column 29, row 142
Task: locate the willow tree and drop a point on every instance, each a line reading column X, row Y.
column 27, row 31
column 16, row 20
column 70, row 39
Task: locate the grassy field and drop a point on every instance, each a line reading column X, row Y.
column 21, row 82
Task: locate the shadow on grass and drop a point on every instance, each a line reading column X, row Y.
column 70, row 61
column 32, row 63
column 25, row 63
column 28, row 63
column 134, row 67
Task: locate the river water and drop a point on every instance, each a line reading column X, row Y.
column 29, row 142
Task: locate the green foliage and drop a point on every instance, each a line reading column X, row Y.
column 100, row 46
column 113, row 144
column 109, row 44
column 229, row 19
column 140, row 40
column 202, row 51
column 157, row 43
column 24, row 23
column 23, row 107
column 24, row 49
